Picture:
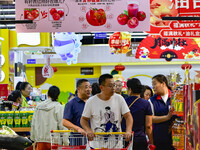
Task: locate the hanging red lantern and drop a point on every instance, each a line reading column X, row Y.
column 55, row 69
column 119, row 67
column 186, row 66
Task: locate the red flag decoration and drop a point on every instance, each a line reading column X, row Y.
column 155, row 47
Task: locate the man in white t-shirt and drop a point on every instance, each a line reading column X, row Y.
column 105, row 110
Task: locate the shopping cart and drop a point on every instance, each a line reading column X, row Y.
column 67, row 139
column 109, row 140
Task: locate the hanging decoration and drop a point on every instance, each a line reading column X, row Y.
column 120, row 43
column 119, row 67
column 67, row 45
column 47, row 70
column 155, row 47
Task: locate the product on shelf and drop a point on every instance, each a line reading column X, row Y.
column 17, row 119
column 3, row 117
column 9, row 118
column 24, row 116
column 178, row 134
column 177, row 101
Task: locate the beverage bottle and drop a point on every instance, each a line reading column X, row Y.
column 178, row 134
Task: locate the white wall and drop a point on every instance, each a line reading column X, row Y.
column 145, row 72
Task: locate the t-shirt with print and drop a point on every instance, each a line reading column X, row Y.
column 105, row 116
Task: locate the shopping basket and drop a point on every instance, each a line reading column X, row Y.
column 67, row 139
column 109, row 140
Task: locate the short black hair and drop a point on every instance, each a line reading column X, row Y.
column 103, row 78
column 145, row 87
column 14, row 96
column 95, row 88
column 135, row 85
column 18, row 86
column 54, row 92
column 23, row 85
column 80, row 81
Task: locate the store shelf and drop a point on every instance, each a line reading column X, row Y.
column 21, row 129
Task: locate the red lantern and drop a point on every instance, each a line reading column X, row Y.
column 186, row 66
column 119, row 67
column 55, row 69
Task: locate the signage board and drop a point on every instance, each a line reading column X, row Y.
column 156, row 47
column 87, row 71
column 175, row 8
column 83, row 15
column 100, row 35
column 31, row 61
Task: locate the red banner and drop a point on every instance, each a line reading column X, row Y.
column 155, row 47
column 4, row 91
column 174, row 8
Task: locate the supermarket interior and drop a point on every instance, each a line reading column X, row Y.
column 57, row 43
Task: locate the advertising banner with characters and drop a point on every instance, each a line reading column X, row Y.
column 169, row 8
column 83, row 15
column 155, row 47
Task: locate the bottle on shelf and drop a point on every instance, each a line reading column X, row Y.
column 178, row 134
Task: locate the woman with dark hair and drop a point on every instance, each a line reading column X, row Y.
column 142, row 115
column 47, row 116
column 162, row 113
column 146, row 92
column 16, row 97
column 25, row 89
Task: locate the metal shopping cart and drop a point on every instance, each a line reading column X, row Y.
column 109, row 141
column 67, row 139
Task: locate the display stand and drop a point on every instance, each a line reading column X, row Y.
column 191, row 113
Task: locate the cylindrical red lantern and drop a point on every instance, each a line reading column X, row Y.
column 186, row 66
column 119, row 67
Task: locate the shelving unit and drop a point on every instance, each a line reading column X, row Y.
column 21, row 129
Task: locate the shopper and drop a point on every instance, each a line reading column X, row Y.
column 16, row 98
column 95, row 88
column 26, row 89
column 47, row 116
column 118, row 88
column 142, row 115
column 146, row 92
column 74, row 108
column 162, row 118
column 107, row 101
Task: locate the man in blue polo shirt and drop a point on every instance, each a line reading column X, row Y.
column 74, row 108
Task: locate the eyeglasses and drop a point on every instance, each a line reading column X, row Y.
column 110, row 85
column 118, row 85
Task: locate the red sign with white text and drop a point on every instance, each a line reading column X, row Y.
column 155, row 47
column 174, row 8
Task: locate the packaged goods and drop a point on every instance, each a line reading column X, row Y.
column 24, row 116
column 178, row 134
column 17, row 119
column 9, row 118
column 3, row 116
